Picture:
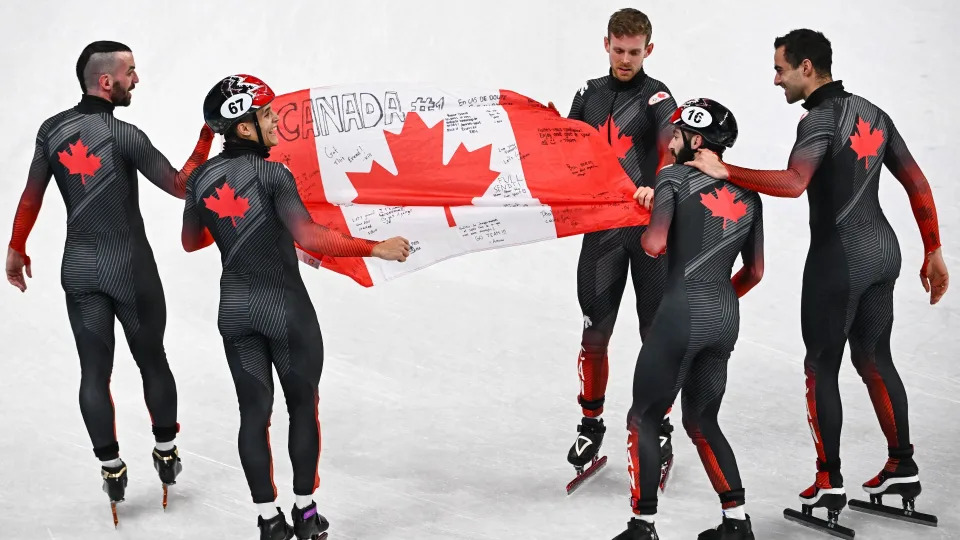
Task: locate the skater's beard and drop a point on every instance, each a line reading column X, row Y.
column 119, row 96
column 686, row 153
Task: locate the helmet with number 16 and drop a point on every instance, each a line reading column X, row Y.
column 708, row 118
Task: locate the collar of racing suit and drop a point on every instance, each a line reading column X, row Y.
column 830, row 90
column 620, row 86
column 90, row 104
column 234, row 147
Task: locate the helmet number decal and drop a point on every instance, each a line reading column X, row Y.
column 236, row 105
column 697, row 117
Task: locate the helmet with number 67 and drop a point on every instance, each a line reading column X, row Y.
column 233, row 100
column 708, row 118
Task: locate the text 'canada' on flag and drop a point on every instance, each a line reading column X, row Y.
column 453, row 170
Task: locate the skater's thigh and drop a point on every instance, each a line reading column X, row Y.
column 663, row 357
column 601, row 278
column 649, row 277
column 92, row 320
column 873, row 322
column 303, row 348
column 705, row 385
column 144, row 320
column 825, row 303
column 302, row 341
column 249, row 359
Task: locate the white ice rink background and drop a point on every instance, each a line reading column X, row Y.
column 448, row 397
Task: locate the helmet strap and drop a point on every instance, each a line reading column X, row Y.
column 256, row 125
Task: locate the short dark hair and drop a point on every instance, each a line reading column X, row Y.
column 805, row 44
column 630, row 22
column 92, row 49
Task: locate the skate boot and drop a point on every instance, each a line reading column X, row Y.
column 167, row 465
column 638, row 529
column 115, row 486
column 275, row 528
column 827, row 492
column 666, row 452
column 587, row 445
column 585, row 451
column 308, row 523
column 900, row 477
column 730, row 529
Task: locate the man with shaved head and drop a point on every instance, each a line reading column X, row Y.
column 108, row 270
column 108, row 58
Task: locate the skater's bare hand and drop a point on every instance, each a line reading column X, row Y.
column 15, row 265
column 394, row 249
column 709, row 163
column 933, row 276
column 644, row 196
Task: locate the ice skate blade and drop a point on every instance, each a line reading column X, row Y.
column 593, row 469
column 665, row 474
column 113, row 510
column 893, row 512
column 818, row 524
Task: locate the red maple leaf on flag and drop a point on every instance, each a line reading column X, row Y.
column 77, row 160
column 226, row 203
column 620, row 142
column 721, row 204
column 422, row 179
column 866, row 141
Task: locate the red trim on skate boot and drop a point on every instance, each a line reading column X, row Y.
column 898, row 477
column 884, row 481
column 822, row 494
column 821, row 488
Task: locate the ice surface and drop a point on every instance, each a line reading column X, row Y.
column 449, row 396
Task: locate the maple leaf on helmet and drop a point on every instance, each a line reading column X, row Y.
column 422, row 179
column 246, row 84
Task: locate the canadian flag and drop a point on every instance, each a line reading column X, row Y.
column 452, row 170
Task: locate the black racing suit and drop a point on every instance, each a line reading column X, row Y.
column 251, row 208
column 634, row 116
column 843, row 144
column 704, row 224
column 108, row 269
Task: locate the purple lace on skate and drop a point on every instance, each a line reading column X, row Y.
column 310, row 513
